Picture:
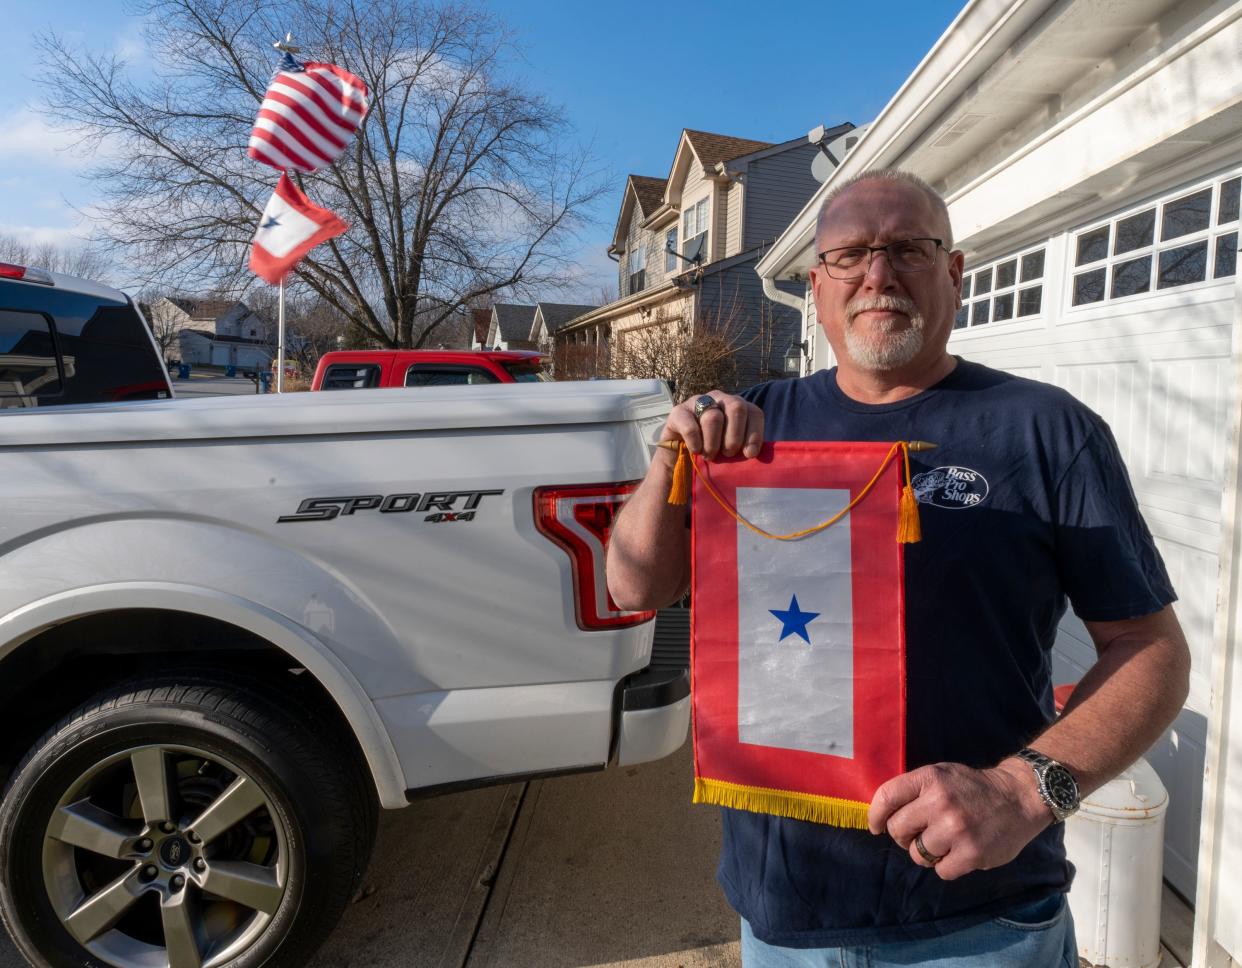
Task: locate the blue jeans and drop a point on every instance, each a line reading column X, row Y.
column 1038, row 935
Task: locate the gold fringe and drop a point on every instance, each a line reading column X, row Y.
column 679, row 493
column 782, row 803
column 909, row 528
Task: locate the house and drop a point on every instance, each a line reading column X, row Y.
column 216, row 332
column 1091, row 156
column 686, row 247
column 510, row 327
column 550, row 319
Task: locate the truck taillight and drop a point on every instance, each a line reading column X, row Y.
column 579, row 518
column 10, row 271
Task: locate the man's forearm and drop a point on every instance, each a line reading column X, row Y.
column 648, row 561
column 1123, row 703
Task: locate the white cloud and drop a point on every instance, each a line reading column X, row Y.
column 58, row 235
column 31, row 140
column 131, row 46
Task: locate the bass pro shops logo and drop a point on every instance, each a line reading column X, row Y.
column 950, row 487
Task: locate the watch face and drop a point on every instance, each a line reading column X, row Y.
column 1062, row 789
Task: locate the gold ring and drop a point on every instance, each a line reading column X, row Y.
column 926, row 854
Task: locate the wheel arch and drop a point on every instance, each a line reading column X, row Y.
column 227, row 623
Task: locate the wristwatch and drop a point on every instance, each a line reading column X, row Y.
column 1057, row 786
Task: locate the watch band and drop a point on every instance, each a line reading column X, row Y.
column 1043, row 765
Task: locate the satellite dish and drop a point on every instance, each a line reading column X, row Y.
column 821, row 167
column 841, row 146
column 694, row 248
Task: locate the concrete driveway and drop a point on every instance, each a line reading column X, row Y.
column 603, row 869
column 207, row 383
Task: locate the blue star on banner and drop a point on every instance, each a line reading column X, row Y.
column 794, row 621
column 271, row 223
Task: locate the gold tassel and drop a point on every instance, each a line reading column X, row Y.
column 909, row 529
column 679, row 493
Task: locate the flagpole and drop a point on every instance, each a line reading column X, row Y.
column 280, row 340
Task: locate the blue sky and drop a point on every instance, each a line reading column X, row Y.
column 630, row 76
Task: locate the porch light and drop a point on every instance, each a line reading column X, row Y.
column 793, row 358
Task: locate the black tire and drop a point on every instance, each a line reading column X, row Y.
column 81, row 820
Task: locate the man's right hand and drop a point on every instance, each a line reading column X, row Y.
column 649, row 551
column 730, row 427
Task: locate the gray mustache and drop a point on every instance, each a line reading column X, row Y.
column 894, row 304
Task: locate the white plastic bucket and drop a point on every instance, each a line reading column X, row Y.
column 1116, row 842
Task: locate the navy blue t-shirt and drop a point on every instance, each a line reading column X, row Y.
column 1024, row 502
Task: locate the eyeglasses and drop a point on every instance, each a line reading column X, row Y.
column 907, row 255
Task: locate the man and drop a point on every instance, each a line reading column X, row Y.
column 1024, row 503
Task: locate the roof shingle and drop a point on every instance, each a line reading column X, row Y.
column 556, row 315
column 514, row 320
column 712, row 148
column 650, row 192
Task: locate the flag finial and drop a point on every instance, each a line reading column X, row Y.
column 289, row 48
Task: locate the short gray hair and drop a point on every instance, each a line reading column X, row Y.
column 890, row 175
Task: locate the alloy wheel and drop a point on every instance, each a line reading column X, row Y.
column 164, row 855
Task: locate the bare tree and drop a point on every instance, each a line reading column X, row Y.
column 459, row 184
column 692, row 357
column 581, row 361
column 74, row 260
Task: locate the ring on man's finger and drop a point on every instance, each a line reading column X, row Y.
column 926, row 854
column 703, row 404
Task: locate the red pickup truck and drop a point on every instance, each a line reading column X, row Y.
column 358, row 369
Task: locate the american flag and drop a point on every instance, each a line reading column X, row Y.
column 307, row 117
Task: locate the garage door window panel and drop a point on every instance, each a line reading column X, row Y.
column 1135, row 232
column 1226, row 256
column 1187, row 215
column 1092, row 246
column 1183, row 265
column 1089, row 287
column 1193, row 232
column 1032, row 266
column 1131, row 278
column 1230, row 191
column 1002, row 307
column 991, row 293
column 1030, row 301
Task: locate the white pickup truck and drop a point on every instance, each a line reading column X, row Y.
column 230, row 627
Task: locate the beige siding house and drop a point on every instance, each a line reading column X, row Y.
column 216, row 332
column 686, row 247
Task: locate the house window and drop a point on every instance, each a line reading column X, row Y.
column 637, row 261
column 670, row 249
column 1008, row 289
column 694, row 230
column 1185, row 238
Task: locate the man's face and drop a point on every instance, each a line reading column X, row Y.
column 886, row 321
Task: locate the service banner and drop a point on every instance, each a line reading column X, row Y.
column 798, row 629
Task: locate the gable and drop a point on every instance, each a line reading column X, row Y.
column 643, row 195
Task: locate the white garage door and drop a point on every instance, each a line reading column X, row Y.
column 1133, row 314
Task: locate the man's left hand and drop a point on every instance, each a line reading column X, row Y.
column 971, row 819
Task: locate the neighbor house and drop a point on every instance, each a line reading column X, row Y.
column 686, row 247
column 550, row 319
column 216, row 332
column 1091, row 156
column 509, row 328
